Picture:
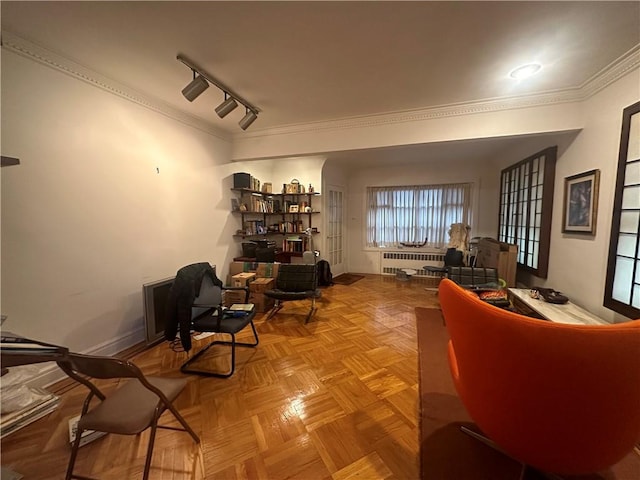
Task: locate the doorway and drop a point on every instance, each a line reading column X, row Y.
column 335, row 238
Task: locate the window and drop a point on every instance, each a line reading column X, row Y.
column 622, row 288
column 526, row 200
column 415, row 214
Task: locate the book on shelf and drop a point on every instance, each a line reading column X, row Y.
column 296, row 244
column 88, row 436
column 241, row 307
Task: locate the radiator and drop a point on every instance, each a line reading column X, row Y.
column 392, row 262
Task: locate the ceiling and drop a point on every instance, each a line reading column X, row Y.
column 304, row 62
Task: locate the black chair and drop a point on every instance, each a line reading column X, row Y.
column 484, row 281
column 130, row 409
column 206, row 314
column 474, row 277
column 452, row 258
column 295, row 282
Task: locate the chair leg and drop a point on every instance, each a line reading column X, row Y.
column 187, row 428
column 487, row 441
column 74, row 454
column 152, row 440
column 312, row 311
column 276, row 308
column 232, row 343
column 490, row 443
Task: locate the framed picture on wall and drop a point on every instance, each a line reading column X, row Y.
column 581, row 203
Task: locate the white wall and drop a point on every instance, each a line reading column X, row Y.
column 109, row 195
column 578, row 263
column 432, row 171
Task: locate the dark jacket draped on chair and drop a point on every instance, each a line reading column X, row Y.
column 185, row 289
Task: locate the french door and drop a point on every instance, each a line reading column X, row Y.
column 335, row 239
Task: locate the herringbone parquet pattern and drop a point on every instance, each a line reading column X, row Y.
column 335, row 398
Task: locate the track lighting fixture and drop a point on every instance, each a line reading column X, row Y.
column 248, row 119
column 195, row 88
column 200, row 83
column 227, row 106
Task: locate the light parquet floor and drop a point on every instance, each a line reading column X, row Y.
column 336, row 398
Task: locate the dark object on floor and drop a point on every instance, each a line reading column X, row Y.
column 295, row 281
column 347, row 279
column 325, row 278
column 551, row 296
column 515, row 376
column 130, row 409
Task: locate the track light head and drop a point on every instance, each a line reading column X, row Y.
column 248, row 119
column 227, row 106
column 198, row 85
column 201, row 81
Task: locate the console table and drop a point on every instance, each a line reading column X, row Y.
column 565, row 313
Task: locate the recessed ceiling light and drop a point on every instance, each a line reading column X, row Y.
column 525, row 71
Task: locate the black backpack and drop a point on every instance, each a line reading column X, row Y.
column 325, row 278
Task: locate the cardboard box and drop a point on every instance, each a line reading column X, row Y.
column 239, row 267
column 262, row 302
column 261, row 285
column 234, row 296
column 242, row 279
column 267, row 270
column 499, row 255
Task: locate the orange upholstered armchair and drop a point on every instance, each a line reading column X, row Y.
column 561, row 398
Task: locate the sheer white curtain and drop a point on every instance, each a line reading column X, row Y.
column 411, row 214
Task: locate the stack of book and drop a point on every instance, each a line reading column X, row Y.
column 22, row 405
column 42, row 403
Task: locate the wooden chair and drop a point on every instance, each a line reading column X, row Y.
column 130, row 409
column 561, row 398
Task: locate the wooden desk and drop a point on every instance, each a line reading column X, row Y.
column 566, row 313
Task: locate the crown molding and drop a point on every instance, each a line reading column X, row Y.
column 605, row 77
column 609, row 74
column 612, row 72
column 433, row 113
column 36, row 53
